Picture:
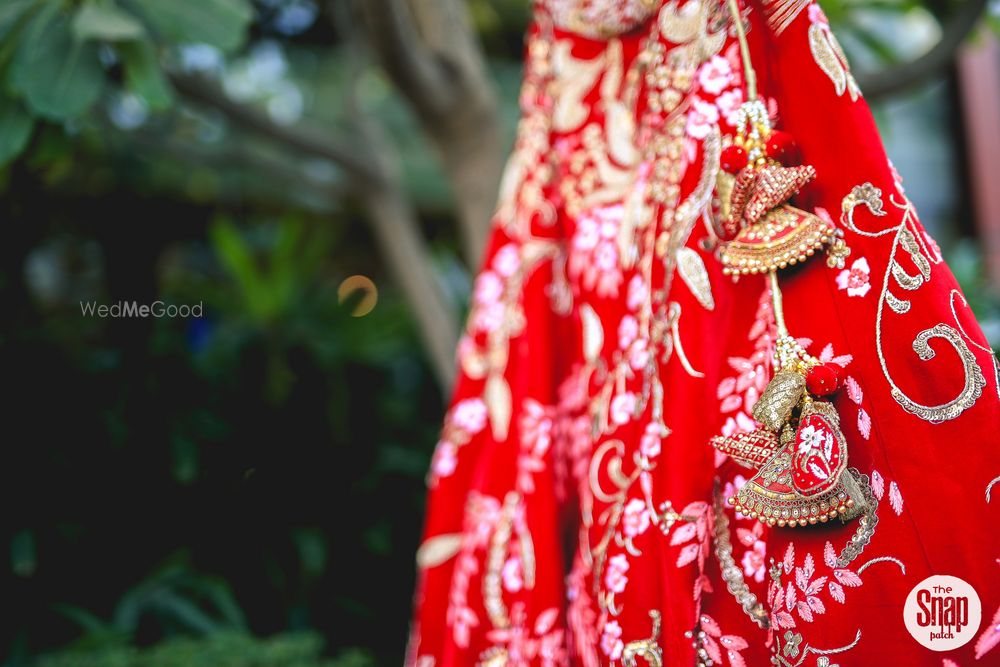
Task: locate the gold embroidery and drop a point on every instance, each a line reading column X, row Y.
column 493, row 577
column 830, row 58
column 866, row 524
column 438, row 549
column 907, row 236
column 781, row 13
column 791, row 650
column 694, row 274
column 645, row 648
column 573, row 79
column 899, row 306
column 974, row 379
column 780, row 397
column 731, row 572
column 593, row 334
column 527, row 172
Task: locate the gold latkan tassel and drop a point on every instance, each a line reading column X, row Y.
column 800, row 452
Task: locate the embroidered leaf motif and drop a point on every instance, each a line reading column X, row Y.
column 696, row 508
column 702, row 585
column 731, row 403
column 816, row 604
column 808, row 567
column 789, row 558
column 683, row 534
column 805, row 612
column 878, row 484
column 895, row 498
column 709, row 625
column 829, row 555
column 785, row 619
column 816, row 586
column 827, row 356
column 546, row 620
column 713, row 650
column 990, row 639
column 695, row 276
column 853, row 390
column 734, row 642
column 726, row 387
column 687, row 555
column 837, row 592
column 847, row 578
column 736, row 660
column 498, row 405
column 864, row 423
column 790, row 597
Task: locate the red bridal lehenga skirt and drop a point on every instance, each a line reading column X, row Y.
column 579, row 513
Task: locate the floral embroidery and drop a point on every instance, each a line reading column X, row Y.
column 856, row 395
column 615, row 577
column 593, row 258
column 715, row 642
column 521, row 645
column 466, row 419
column 611, row 640
column 715, row 75
column 857, row 279
column 702, row 118
column 754, row 564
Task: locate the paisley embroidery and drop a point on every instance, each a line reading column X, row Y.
column 906, row 237
column 829, row 56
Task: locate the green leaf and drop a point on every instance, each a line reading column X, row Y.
column 106, row 22
column 143, row 75
column 220, row 23
column 59, row 76
column 12, row 11
column 16, row 125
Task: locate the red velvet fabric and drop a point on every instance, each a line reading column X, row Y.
column 574, row 490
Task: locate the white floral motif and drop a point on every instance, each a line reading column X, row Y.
column 466, row 419
column 615, row 577
column 702, row 116
column 593, row 256
column 635, row 518
column 715, row 75
column 611, row 640
column 754, row 563
column 623, row 407
column 857, row 279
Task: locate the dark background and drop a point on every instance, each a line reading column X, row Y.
column 246, row 488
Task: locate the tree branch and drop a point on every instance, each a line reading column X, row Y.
column 896, row 78
column 302, row 136
column 420, row 73
column 431, row 53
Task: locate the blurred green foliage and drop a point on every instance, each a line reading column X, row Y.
column 178, row 487
column 219, row 650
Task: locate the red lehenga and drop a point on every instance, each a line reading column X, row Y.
column 579, row 513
